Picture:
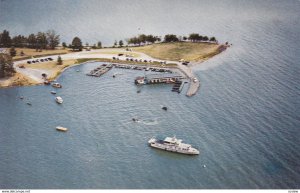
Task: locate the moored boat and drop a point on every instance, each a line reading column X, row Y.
column 173, row 144
column 56, row 85
column 59, row 100
column 59, row 128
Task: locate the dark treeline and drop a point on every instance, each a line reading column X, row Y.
column 143, row 39
column 41, row 40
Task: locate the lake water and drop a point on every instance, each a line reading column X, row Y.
column 245, row 119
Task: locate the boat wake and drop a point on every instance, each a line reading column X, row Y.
column 149, row 122
column 143, row 121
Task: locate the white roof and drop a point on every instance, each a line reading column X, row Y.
column 172, row 140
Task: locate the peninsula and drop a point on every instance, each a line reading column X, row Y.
column 170, row 53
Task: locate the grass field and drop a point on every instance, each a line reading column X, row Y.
column 116, row 51
column 29, row 53
column 180, row 50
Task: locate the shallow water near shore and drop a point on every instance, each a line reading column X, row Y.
column 244, row 120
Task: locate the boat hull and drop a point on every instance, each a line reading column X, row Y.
column 174, row 149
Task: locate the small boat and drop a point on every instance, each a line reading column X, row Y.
column 135, row 120
column 77, row 70
column 53, row 92
column 138, row 91
column 56, row 85
column 59, row 128
column 164, row 108
column 46, row 82
column 21, row 97
column 59, row 100
column 28, row 103
column 173, row 145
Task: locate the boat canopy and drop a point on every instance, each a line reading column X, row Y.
column 172, row 140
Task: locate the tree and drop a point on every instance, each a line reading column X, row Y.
column 151, row 39
column 6, row 66
column 157, row 39
column 99, row 44
column 12, row 51
column 5, row 40
column 41, row 40
column 52, row 39
column 19, row 41
column 213, row 39
column 59, row 61
column 64, row 44
column 205, row 38
column 31, row 41
column 22, row 53
column 121, row 43
column 170, row 38
column 116, row 43
column 184, row 38
column 142, row 38
column 195, row 37
column 77, row 44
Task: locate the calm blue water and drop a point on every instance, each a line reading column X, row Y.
column 245, row 119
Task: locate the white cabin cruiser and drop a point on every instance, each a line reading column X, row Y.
column 59, row 100
column 56, row 85
column 174, row 145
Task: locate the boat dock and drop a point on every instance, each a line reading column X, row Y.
column 100, row 70
column 135, row 67
column 178, row 86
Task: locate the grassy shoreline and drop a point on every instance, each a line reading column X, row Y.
column 197, row 52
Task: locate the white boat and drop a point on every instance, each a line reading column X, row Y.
column 59, row 128
column 53, row 92
column 59, row 100
column 56, row 85
column 173, row 145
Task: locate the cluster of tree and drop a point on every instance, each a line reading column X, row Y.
column 143, row 39
column 97, row 46
column 150, row 39
column 120, row 43
column 194, row 37
column 171, row 38
column 41, row 40
column 6, row 66
column 77, row 44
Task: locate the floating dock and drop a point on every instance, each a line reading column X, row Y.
column 178, row 86
column 100, row 70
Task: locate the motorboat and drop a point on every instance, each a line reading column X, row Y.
column 56, row 85
column 59, row 128
column 173, row 144
column 59, row 100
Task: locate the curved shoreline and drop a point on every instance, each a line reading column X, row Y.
column 93, row 56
